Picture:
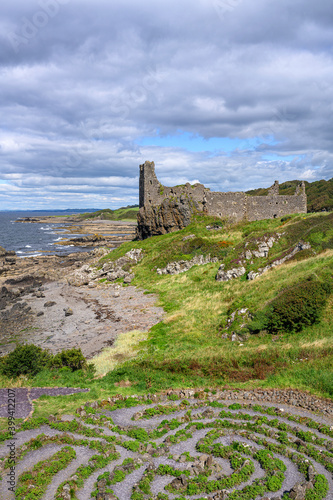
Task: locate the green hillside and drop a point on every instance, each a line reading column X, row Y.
column 124, row 213
column 275, row 331
column 319, row 193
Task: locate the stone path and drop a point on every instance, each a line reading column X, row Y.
column 179, row 445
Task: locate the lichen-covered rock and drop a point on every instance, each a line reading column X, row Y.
column 236, row 272
column 184, row 265
column 252, row 275
column 135, row 254
column 298, row 492
column 179, row 482
column 78, row 278
column 298, row 248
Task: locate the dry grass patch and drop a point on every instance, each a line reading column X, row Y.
column 21, row 381
column 125, row 348
column 174, row 317
column 318, row 343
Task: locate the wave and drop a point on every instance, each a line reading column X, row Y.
column 27, row 246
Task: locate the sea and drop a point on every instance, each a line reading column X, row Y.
column 34, row 239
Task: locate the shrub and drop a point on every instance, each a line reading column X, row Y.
column 26, row 359
column 71, row 358
column 293, row 309
column 298, row 306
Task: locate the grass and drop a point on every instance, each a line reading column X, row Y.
column 187, row 348
column 120, row 214
column 125, row 348
column 188, row 342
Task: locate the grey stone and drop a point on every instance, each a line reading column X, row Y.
column 229, row 275
column 128, row 279
column 252, row 275
column 135, row 254
column 78, row 278
column 184, row 265
column 298, row 248
column 179, row 482
column 298, row 492
column 248, row 254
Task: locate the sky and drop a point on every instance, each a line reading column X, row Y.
column 230, row 93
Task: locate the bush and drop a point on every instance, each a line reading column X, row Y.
column 71, row 358
column 295, row 308
column 26, row 359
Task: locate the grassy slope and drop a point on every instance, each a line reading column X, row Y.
column 188, row 343
column 124, row 214
column 187, row 348
column 319, row 193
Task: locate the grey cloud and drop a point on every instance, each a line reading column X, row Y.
column 77, row 93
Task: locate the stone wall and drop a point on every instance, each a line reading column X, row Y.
column 157, row 203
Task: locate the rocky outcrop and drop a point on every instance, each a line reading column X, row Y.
column 298, row 248
column 111, row 271
column 184, row 265
column 7, row 260
column 170, row 216
column 264, row 246
column 223, row 275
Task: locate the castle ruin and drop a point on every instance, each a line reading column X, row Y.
column 155, row 200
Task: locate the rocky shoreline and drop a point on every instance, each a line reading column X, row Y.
column 59, row 302
column 95, row 233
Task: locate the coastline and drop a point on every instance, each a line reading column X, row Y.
column 95, row 233
column 43, row 302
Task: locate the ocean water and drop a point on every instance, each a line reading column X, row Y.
column 35, row 239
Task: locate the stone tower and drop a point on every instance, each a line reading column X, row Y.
column 148, row 184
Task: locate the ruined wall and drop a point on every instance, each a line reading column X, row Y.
column 271, row 206
column 152, row 192
column 157, row 202
column 230, row 205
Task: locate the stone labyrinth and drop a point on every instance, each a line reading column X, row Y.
column 179, row 445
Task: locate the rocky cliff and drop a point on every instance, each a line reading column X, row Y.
column 171, row 215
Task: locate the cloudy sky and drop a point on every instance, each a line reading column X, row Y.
column 231, row 93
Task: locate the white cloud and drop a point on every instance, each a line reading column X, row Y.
column 78, row 93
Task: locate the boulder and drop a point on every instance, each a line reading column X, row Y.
column 179, row 483
column 236, row 272
column 78, row 278
column 135, row 254
column 298, row 492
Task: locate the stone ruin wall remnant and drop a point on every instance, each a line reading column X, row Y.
column 233, row 205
